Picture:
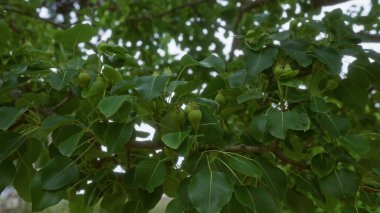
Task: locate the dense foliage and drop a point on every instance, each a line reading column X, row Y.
column 279, row 127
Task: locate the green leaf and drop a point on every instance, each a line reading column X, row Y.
column 111, row 74
column 297, row 50
column 335, row 125
column 210, row 61
column 243, row 165
column 353, row 91
column 317, row 104
column 71, row 37
column 70, row 144
column 341, row 184
column 150, row 173
column 258, row 61
column 239, row 78
column 62, row 78
column 257, row 129
column 279, row 122
column 174, row 140
column 306, row 182
column 9, row 143
column 42, row 199
column 209, row 191
column 356, row 144
column 134, row 206
column 330, row 57
column 213, row 61
column 59, row 172
column 5, row 35
column 119, row 51
column 150, row 87
column 9, row 116
column 247, row 96
column 274, row 178
column 22, row 179
column 175, row 206
column 111, row 104
column 322, row 164
column 7, row 171
column 117, row 135
column 257, row 199
column 56, row 120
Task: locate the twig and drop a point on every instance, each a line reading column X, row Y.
column 168, row 12
column 13, row 9
column 243, row 9
column 371, row 37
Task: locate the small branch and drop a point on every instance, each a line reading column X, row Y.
column 235, row 148
column 321, row 3
column 13, row 9
column 168, row 12
column 243, row 9
column 287, row 160
column 247, row 149
column 369, row 189
column 145, row 144
column 371, row 37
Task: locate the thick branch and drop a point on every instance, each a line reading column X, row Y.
column 168, row 12
column 13, row 9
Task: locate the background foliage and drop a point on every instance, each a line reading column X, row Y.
column 282, row 127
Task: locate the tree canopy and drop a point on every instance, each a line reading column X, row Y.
column 272, row 124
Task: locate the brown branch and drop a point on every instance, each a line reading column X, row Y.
column 168, row 12
column 370, row 37
column 235, row 148
column 14, row 9
column 321, row 3
column 243, row 9
column 369, row 189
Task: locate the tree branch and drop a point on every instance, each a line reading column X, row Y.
column 243, row 9
column 234, row 148
column 371, row 37
column 14, row 9
column 170, row 11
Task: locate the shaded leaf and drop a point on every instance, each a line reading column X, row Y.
column 322, row 164
column 56, row 120
column 174, row 140
column 62, row 78
column 59, row 172
column 355, row 143
column 75, row 35
column 341, row 183
column 243, row 165
column 150, row 87
column 42, row 199
column 70, row 144
column 9, row 116
column 7, row 171
column 117, row 135
column 111, row 104
column 330, row 57
column 9, row 143
column 209, row 191
column 150, row 173
column 274, row 178
column 279, row 122
column 257, row 199
column 258, row 61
